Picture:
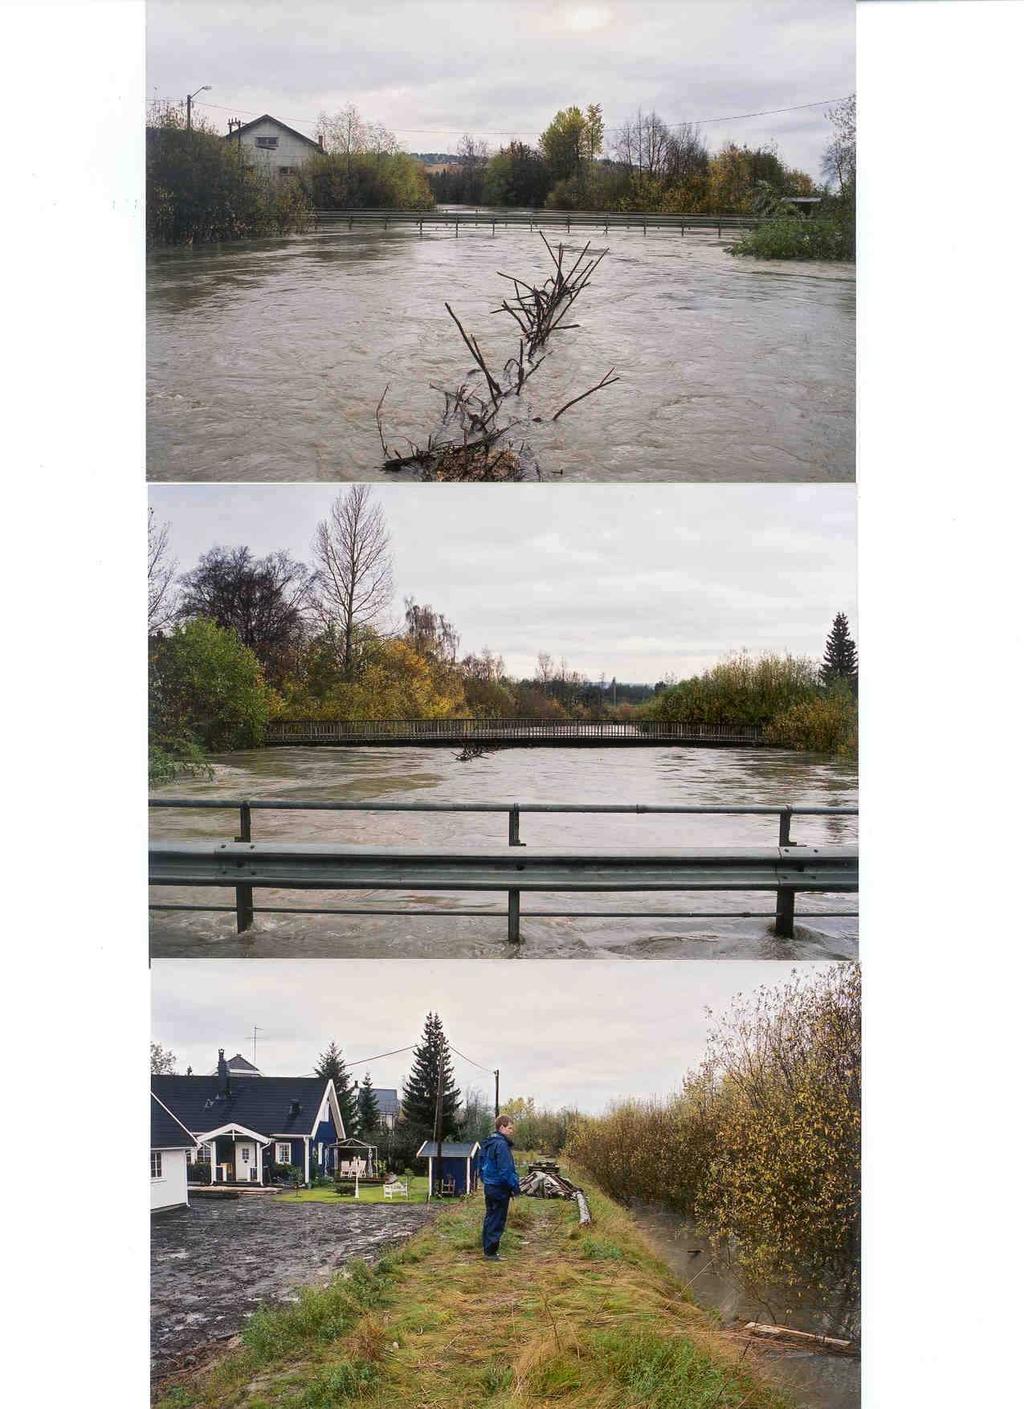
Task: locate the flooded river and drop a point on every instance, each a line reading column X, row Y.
column 463, row 928
column 267, row 358
column 811, row 1379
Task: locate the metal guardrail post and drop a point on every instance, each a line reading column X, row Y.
column 785, row 898
column 514, row 936
column 244, row 915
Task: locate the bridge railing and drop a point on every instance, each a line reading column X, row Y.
column 247, row 866
column 460, row 730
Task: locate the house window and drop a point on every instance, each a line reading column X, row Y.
column 268, row 144
column 284, row 1153
column 156, row 1164
column 245, row 1154
column 284, row 170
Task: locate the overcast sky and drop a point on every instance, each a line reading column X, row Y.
column 433, row 69
column 567, row 1033
column 629, row 582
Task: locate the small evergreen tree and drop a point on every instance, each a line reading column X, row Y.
column 369, row 1110
column 431, row 1061
column 840, row 661
column 331, row 1067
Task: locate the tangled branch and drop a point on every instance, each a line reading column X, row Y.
column 481, row 416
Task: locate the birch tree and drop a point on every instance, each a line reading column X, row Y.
column 354, row 586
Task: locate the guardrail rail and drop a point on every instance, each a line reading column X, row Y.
column 787, row 868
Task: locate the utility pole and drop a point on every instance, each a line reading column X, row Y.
column 255, row 1029
column 438, row 1123
column 497, row 1102
column 188, row 105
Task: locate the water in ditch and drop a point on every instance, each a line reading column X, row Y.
column 267, row 358
column 812, row 1379
column 466, row 925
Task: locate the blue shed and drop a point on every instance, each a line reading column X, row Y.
column 458, row 1171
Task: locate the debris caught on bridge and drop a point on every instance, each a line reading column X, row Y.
column 472, row 751
column 479, row 436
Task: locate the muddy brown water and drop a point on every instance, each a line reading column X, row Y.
column 266, row 358
column 811, row 1379
column 462, row 929
column 214, row 1263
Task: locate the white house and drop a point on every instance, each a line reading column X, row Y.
column 169, row 1147
column 272, row 146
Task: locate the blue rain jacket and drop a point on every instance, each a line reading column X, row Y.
column 497, row 1167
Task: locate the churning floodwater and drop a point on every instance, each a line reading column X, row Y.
column 463, row 928
column 267, row 358
column 810, row 1378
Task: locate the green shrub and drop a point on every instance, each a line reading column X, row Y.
column 791, row 237
column 827, row 724
column 741, row 689
column 205, row 689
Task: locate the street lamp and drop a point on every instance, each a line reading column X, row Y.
column 188, row 105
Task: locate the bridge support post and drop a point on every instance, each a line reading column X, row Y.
column 513, row 827
column 514, row 935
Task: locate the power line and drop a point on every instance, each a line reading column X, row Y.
column 518, row 131
column 470, row 1059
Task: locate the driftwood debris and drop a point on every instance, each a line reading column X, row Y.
column 543, row 1181
column 806, row 1339
column 478, row 436
column 472, row 751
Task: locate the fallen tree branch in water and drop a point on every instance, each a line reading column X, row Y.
column 483, row 446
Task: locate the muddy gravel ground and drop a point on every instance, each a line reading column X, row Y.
column 212, row 1264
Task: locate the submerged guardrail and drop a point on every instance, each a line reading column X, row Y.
column 547, row 219
column 786, row 868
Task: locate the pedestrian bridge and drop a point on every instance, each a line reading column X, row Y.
column 517, row 733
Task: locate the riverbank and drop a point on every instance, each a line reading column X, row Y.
column 589, row 1317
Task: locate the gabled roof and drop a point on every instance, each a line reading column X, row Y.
column 387, row 1100
column 450, row 1149
column 165, row 1131
column 266, row 117
column 238, row 1066
column 264, row 1105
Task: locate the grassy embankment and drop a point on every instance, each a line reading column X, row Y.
column 586, row 1319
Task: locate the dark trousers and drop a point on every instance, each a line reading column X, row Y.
column 495, row 1214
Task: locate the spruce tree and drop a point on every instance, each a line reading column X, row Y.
column 419, row 1093
column 369, row 1111
column 331, row 1067
column 840, row 661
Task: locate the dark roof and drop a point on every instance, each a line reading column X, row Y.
column 266, row 117
column 387, row 1100
column 450, row 1149
column 263, row 1106
column 165, row 1133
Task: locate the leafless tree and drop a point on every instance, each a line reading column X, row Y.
column 471, row 151
column 430, row 633
column 839, row 163
column 161, row 574
column 353, row 585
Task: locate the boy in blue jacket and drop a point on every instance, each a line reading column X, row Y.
column 500, row 1181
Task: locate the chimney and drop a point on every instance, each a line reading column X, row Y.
column 320, row 139
column 295, row 1108
column 223, row 1079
